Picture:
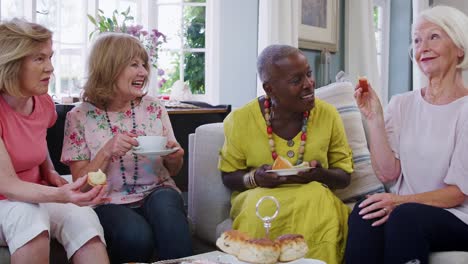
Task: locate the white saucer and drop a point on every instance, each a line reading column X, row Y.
column 289, row 172
column 163, row 152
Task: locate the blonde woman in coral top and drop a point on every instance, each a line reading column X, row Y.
column 36, row 204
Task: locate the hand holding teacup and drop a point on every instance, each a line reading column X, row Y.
column 120, row 144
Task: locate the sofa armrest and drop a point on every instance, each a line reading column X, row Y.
column 209, row 200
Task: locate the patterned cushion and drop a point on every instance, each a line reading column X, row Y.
column 363, row 179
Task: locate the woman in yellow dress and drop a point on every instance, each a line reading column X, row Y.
column 289, row 122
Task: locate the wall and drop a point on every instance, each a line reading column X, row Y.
column 238, row 51
column 337, row 59
column 400, row 38
column 463, row 6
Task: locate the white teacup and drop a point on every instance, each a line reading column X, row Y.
column 151, row 143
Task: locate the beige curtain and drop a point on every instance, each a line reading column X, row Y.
column 278, row 23
column 360, row 45
column 419, row 80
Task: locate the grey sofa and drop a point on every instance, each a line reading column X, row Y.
column 209, row 199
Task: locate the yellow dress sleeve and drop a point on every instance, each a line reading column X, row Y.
column 339, row 153
column 231, row 157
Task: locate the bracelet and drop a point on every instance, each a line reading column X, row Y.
column 252, row 178
column 249, row 180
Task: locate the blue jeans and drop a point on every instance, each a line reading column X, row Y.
column 411, row 232
column 133, row 234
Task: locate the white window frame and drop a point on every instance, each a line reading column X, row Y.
column 147, row 16
column 210, row 27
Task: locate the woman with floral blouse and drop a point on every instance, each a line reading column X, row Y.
column 146, row 211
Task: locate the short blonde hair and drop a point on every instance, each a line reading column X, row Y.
column 109, row 56
column 18, row 39
column 454, row 22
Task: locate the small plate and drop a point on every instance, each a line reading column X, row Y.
column 289, row 172
column 233, row 260
column 156, row 152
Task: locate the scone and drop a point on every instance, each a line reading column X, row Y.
column 97, row 178
column 231, row 241
column 292, row 247
column 259, row 251
column 281, row 164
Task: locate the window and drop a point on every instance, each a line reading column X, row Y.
column 382, row 39
column 181, row 58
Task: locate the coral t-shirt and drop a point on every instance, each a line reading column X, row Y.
column 24, row 136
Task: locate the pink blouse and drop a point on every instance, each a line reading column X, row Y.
column 87, row 131
column 431, row 143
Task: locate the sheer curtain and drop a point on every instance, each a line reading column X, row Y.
column 419, row 80
column 360, row 45
column 278, row 23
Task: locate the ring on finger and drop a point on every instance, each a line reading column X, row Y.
column 385, row 210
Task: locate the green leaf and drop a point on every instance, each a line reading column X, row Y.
column 92, row 20
column 111, row 24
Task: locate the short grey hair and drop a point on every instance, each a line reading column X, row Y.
column 454, row 22
column 268, row 58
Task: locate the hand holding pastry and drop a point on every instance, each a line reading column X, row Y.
column 97, row 178
column 71, row 193
column 367, row 101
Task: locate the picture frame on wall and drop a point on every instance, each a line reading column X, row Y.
column 319, row 25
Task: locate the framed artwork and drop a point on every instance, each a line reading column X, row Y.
column 318, row 25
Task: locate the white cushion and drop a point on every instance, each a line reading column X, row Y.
column 209, row 199
column 363, row 179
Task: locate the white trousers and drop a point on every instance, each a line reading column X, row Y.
column 70, row 224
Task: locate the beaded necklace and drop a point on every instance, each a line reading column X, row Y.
column 274, row 154
column 135, row 157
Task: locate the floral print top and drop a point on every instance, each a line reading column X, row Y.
column 87, row 131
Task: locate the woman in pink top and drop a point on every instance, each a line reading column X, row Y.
column 420, row 150
column 146, row 209
column 35, row 202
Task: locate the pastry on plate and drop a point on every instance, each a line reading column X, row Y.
column 281, row 164
column 231, row 241
column 292, row 247
column 259, row 251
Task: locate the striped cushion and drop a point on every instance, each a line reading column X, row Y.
column 363, row 179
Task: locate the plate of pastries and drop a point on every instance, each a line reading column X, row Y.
column 283, row 167
column 242, row 249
